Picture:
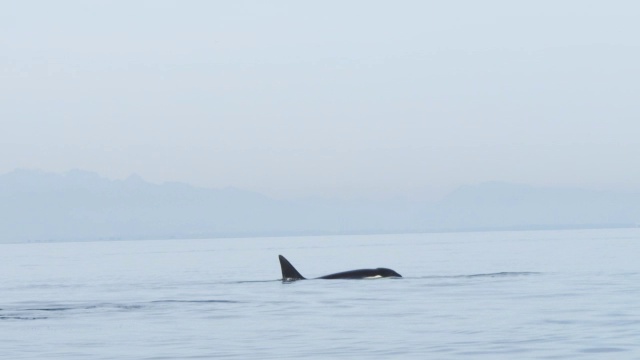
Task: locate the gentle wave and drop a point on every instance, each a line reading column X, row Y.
column 24, row 313
column 498, row 274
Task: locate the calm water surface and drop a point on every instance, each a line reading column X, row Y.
column 489, row 295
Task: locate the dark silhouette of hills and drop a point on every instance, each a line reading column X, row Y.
column 80, row 205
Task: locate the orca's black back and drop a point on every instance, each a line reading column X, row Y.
column 362, row 273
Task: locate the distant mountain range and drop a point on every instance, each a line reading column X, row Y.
column 80, row 205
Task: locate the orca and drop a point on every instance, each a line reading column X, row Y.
column 289, row 273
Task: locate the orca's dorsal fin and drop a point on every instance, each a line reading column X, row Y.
column 288, row 271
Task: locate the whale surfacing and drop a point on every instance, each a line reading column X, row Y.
column 289, row 273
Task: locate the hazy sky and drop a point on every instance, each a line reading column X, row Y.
column 326, row 98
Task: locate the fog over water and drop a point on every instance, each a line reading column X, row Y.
column 397, row 133
column 363, row 99
column 79, row 205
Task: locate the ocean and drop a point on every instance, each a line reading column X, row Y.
column 476, row 295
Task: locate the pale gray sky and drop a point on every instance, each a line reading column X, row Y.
column 327, row 98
